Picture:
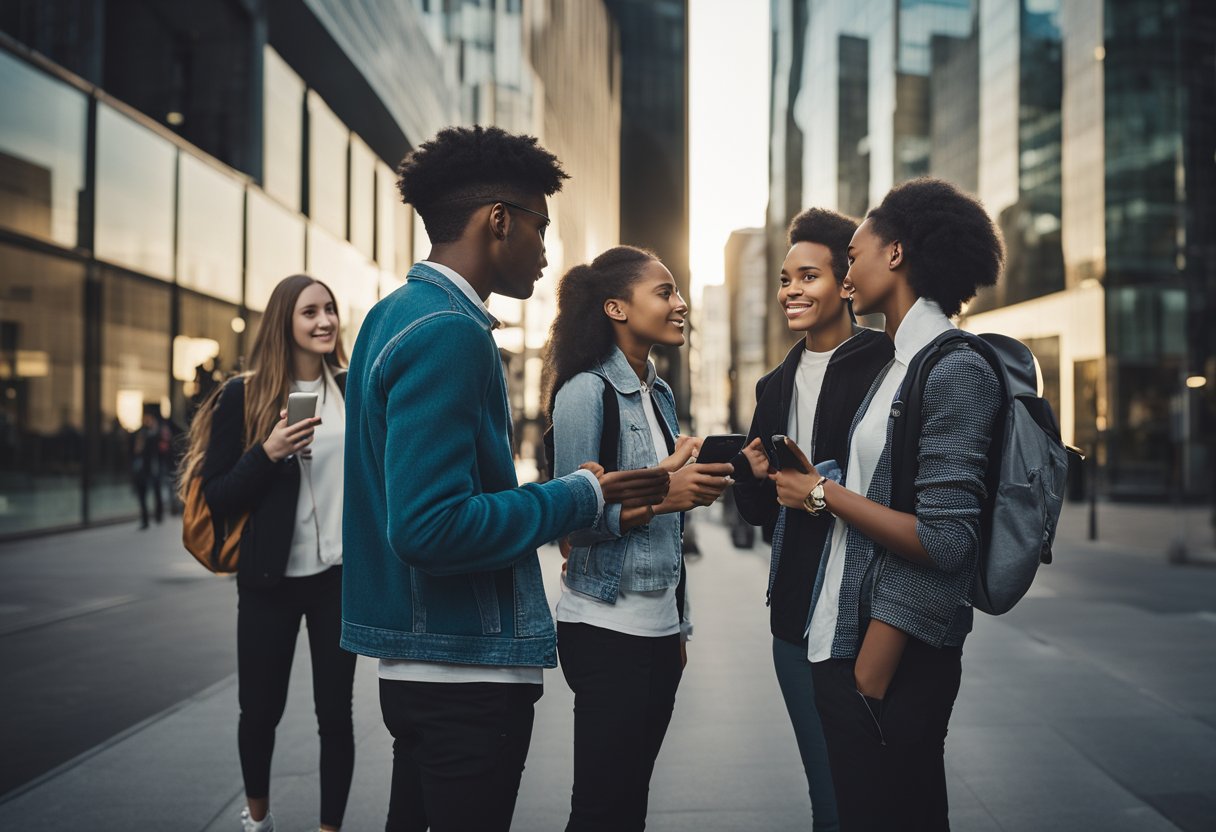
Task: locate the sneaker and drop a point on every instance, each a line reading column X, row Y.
column 248, row 824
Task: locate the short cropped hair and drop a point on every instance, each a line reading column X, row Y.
column 819, row 225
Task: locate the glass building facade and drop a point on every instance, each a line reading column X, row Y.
column 1086, row 128
column 154, row 188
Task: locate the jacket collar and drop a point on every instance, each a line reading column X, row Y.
column 462, row 295
column 924, row 322
column 789, row 367
column 616, row 369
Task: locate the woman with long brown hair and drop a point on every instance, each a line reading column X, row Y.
column 288, row 480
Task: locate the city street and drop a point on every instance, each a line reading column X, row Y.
column 1088, row 707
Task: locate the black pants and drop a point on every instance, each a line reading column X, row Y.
column 458, row 753
column 143, row 484
column 267, row 624
column 624, row 692
column 888, row 756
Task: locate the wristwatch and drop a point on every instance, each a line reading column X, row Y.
column 815, row 502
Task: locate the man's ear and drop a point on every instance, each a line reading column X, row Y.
column 500, row 221
column 895, row 257
column 615, row 310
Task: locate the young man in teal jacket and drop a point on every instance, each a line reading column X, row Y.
column 441, row 579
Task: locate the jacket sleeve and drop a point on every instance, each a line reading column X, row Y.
column 234, row 480
column 578, row 420
column 960, row 403
column 756, row 499
column 437, row 381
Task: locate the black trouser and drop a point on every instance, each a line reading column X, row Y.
column 624, row 692
column 144, row 483
column 888, row 756
column 458, row 753
column 267, row 624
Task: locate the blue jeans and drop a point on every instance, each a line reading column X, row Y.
column 794, row 677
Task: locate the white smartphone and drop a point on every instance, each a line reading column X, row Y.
column 301, row 406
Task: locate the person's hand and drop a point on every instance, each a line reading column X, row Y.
column 687, row 448
column 757, row 458
column 696, row 484
column 285, row 441
column 683, row 654
column 564, row 547
column 640, row 487
column 793, row 486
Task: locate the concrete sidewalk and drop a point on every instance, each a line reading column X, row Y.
column 1087, row 708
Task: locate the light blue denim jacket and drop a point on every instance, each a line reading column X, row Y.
column 602, row 560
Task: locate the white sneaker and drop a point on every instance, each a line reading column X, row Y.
column 248, row 824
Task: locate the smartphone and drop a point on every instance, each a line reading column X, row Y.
column 785, row 457
column 301, row 406
column 721, row 447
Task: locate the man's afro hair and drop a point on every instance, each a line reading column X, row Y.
column 819, row 225
column 445, row 178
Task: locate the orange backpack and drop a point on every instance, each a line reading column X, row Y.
column 214, row 543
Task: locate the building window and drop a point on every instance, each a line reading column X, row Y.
column 210, row 230
column 387, row 198
column 42, row 148
column 275, row 248
column 362, row 197
column 135, row 170
column 328, row 143
column 41, row 390
column 206, row 350
column 282, row 130
column 134, row 377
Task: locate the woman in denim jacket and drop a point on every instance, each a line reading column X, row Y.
column 891, row 603
column 620, row 627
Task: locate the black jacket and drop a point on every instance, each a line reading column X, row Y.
column 849, row 375
column 236, row 481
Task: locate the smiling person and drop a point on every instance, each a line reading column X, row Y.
column 443, row 584
column 620, row 619
column 893, row 609
column 288, row 479
column 812, row 398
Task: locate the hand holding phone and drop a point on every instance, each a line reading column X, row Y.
column 787, row 460
column 721, row 447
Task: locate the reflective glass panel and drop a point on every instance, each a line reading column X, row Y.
column 362, row 197
column 134, row 195
column 275, row 248
column 134, row 380
column 205, row 351
column 282, row 130
column 42, row 147
column 328, row 140
column 41, row 390
column 210, row 228
column 387, row 199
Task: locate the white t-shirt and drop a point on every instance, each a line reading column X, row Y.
column 316, row 543
column 651, row 614
column 924, row 322
column 808, row 383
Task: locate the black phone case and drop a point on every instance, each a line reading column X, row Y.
column 785, row 457
column 723, row 451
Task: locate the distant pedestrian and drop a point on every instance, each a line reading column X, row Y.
column 151, row 463
column 289, row 479
column 443, row 583
column 812, row 398
column 892, row 610
column 621, row 620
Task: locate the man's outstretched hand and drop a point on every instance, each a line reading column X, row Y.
column 642, row 487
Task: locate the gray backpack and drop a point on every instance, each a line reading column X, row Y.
column 1027, row 466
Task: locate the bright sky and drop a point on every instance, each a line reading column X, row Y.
column 728, row 127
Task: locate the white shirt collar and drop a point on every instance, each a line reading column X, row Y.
column 924, row 322
column 463, row 286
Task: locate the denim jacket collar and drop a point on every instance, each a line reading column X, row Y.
column 423, row 272
column 616, row 368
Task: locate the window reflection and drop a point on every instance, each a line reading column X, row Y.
column 387, row 199
column 282, row 130
column 205, row 351
column 42, row 147
column 41, row 391
column 134, row 376
column 210, row 230
column 275, row 248
column 328, row 140
column 362, row 197
column 135, row 199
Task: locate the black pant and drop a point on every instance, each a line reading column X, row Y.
column 888, row 756
column 624, row 692
column 267, row 624
column 144, row 483
column 458, row 753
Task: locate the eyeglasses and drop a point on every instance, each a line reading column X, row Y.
column 490, row 200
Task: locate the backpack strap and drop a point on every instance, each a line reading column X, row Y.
column 610, row 434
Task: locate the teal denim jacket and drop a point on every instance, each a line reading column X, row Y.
column 439, row 540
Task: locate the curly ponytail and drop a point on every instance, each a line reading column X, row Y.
column 582, row 334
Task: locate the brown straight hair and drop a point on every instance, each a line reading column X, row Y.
column 268, row 379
